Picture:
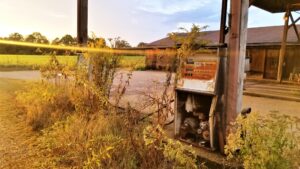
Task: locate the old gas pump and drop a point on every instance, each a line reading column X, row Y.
column 197, row 97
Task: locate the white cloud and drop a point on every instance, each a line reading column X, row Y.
column 170, row 7
column 134, row 21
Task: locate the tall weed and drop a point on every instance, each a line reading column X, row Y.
column 112, row 141
column 44, row 104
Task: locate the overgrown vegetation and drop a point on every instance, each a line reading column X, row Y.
column 264, row 142
column 112, row 141
column 82, row 129
column 44, row 104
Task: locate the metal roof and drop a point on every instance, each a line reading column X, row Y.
column 256, row 36
column 276, row 6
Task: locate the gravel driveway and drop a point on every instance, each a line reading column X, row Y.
column 21, row 75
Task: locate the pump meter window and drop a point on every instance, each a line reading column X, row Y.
column 199, row 73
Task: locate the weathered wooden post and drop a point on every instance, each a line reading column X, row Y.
column 283, row 44
column 82, row 27
column 82, row 32
column 236, row 59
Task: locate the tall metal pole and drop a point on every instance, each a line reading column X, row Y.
column 82, row 22
column 236, row 60
column 223, row 22
column 220, row 115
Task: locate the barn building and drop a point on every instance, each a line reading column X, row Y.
column 263, row 50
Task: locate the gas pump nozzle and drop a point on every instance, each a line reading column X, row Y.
column 246, row 111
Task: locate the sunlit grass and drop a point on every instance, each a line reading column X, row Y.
column 32, row 61
column 136, row 62
column 25, row 62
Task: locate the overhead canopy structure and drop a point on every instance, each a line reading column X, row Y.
column 276, row 6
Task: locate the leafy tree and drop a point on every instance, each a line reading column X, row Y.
column 67, row 40
column 96, row 42
column 37, row 37
column 11, row 49
column 16, row 37
column 56, row 41
column 189, row 43
column 141, row 44
column 189, row 40
column 119, row 43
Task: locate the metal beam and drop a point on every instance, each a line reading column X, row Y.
column 277, row 6
column 251, row 2
column 295, row 27
column 223, row 22
column 298, row 19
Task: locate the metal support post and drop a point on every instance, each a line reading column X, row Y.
column 236, row 60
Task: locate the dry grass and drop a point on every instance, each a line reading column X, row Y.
column 17, row 142
column 44, row 104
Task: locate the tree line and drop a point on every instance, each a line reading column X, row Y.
column 67, row 40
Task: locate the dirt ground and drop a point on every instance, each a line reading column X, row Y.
column 17, row 141
column 266, row 105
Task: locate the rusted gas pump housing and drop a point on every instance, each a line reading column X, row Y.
column 198, row 100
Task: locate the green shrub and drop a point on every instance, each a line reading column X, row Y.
column 265, row 142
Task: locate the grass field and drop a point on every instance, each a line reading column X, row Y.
column 28, row 62
column 136, row 62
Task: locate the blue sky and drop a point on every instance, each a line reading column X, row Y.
column 133, row 20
